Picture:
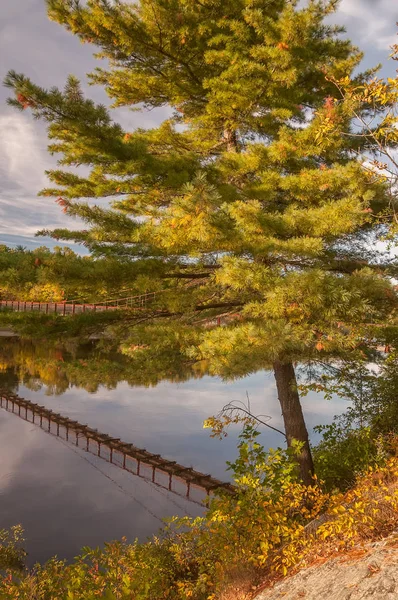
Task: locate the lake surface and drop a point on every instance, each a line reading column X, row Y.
column 66, row 498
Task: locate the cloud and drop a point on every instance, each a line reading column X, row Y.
column 370, row 22
column 32, row 44
column 23, row 161
column 11, row 460
column 22, row 158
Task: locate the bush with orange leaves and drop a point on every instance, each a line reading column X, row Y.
column 367, row 511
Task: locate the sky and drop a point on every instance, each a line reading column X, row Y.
column 44, row 51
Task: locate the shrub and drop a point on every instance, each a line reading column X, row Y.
column 12, row 554
column 344, row 453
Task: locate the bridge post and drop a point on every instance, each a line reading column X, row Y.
column 64, row 310
column 73, row 308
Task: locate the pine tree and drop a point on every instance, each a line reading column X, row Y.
column 237, row 204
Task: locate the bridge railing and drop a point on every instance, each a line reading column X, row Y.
column 71, row 307
column 60, row 308
column 141, row 300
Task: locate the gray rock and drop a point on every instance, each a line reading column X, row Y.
column 374, row 576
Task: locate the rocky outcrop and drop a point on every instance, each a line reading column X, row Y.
column 366, row 572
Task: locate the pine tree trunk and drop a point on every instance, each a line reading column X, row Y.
column 286, row 383
column 231, row 140
column 295, row 427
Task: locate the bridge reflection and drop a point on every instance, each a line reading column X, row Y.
column 169, row 475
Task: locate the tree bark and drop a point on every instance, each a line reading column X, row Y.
column 295, row 427
column 231, row 140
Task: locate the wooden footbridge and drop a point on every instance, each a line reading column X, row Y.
column 173, row 477
column 140, row 302
column 74, row 307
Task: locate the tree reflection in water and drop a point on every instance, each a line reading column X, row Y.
column 58, row 366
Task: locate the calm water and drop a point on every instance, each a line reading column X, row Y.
column 66, row 498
